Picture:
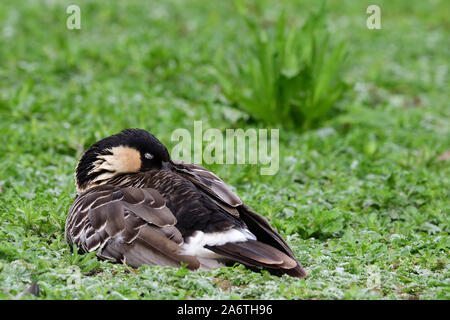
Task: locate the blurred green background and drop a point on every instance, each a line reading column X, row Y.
column 362, row 194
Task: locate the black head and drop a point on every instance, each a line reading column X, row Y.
column 130, row 151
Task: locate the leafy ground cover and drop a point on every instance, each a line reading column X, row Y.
column 363, row 200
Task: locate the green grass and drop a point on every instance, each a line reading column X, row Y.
column 292, row 76
column 362, row 200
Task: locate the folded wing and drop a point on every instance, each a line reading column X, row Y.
column 129, row 225
column 269, row 250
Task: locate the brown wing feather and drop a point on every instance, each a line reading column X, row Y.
column 210, row 183
column 222, row 195
column 261, row 228
column 130, row 225
column 255, row 253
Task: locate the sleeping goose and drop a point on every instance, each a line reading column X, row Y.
column 136, row 206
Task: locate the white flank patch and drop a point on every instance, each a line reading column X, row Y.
column 194, row 246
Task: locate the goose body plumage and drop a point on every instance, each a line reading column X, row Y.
column 167, row 213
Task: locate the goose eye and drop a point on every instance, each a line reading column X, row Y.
column 148, row 156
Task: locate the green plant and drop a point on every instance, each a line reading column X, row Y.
column 289, row 76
